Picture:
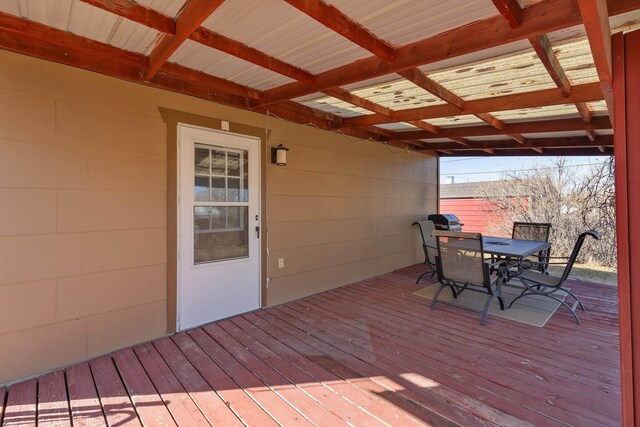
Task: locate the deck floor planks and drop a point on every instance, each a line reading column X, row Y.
column 116, row 404
column 368, row 402
column 366, row 354
column 277, row 407
column 53, row 405
column 297, row 398
column 177, row 400
column 148, row 403
column 516, row 340
column 471, row 358
column 415, row 356
column 86, row 409
column 21, row 408
column 428, row 406
column 316, row 389
column 237, row 398
column 208, row 401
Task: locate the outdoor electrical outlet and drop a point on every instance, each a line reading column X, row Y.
column 280, row 262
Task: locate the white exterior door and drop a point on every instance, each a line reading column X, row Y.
column 218, row 225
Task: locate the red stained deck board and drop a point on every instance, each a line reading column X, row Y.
column 318, row 391
column 238, row 400
column 368, row 354
column 268, row 399
column 148, row 403
column 116, row 404
column 368, row 402
column 86, row 409
column 474, row 367
column 312, row 410
column 20, row 409
column 210, row 403
column 517, row 365
column 53, row 406
column 179, row 403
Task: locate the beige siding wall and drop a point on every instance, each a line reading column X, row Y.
column 83, row 218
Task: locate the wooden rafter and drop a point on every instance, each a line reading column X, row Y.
column 501, row 144
column 191, row 16
column 249, row 54
column 418, row 78
column 542, row 46
column 510, row 10
column 595, row 16
column 347, row 96
column 34, row 39
column 580, row 93
column 331, row 17
column 543, row 126
column 542, row 17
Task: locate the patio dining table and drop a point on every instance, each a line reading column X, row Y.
column 512, row 248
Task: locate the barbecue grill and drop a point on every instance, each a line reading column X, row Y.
column 447, row 222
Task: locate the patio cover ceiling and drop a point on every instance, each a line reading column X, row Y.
column 461, row 77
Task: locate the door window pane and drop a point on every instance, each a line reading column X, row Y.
column 218, row 162
column 202, row 161
column 233, row 195
column 218, row 190
column 201, row 189
column 220, row 233
column 233, row 164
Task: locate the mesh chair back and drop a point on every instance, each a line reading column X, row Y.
column 531, row 231
column 429, row 243
column 461, row 257
column 576, row 251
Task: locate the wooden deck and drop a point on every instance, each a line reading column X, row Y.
column 369, row 354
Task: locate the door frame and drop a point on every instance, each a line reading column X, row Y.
column 172, row 118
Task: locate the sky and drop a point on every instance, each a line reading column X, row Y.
column 473, row 169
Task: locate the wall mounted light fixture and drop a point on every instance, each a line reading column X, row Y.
column 279, row 155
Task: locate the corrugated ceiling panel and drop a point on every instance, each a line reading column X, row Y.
column 456, row 121
column 398, row 126
column 567, row 134
column 219, row 64
column 510, row 74
column 84, row 20
column 278, row 29
column 400, row 22
column 398, row 95
column 566, row 111
column 167, row 7
column 488, row 138
column 336, row 106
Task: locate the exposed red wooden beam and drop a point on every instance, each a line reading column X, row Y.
column 542, row 46
column 591, row 135
column 580, row 93
column 331, row 17
column 491, row 120
column 501, row 144
column 571, row 151
column 135, row 12
column 510, row 10
column 542, row 17
column 518, row 138
column 543, row 126
column 426, row 126
column 461, row 141
column 418, row 78
column 595, row 16
column 34, row 39
column 249, row 54
column 194, row 13
column 347, row 96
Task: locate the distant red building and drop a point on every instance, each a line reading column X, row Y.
column 465, row 200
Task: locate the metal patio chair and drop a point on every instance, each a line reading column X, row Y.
column 538, row 231
column 462, row 266
column 429, row 247
column 540, row 283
